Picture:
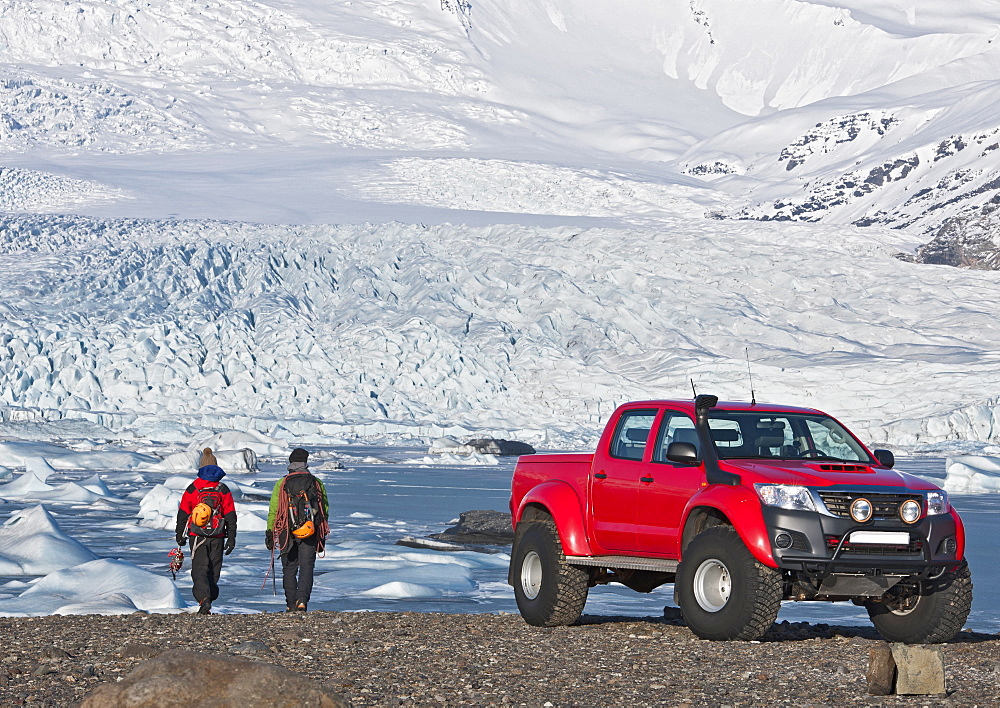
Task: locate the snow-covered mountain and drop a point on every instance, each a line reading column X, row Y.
column 433, row 215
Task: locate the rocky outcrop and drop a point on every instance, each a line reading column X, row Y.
column 480, row 526
column 481, row 446
column 966, row 242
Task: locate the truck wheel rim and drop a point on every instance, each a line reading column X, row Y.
column 531, row 575
column 905, row 606
column 712, row 585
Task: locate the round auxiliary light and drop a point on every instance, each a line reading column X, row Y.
column 783, row 540
column 861, row 510
column 909, row 511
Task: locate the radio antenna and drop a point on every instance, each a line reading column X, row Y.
column 753, row 396
column 693, row 389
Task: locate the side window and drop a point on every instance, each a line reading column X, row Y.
column 676, row 427
column 629, row 441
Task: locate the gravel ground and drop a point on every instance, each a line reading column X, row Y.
column 390, row 659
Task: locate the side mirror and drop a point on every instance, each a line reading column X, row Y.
column 885, row 457
column 683, row 453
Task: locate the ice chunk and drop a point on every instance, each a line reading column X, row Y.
column 104, row 586
column 972, row 473
column 33, row 544
column 243, row 439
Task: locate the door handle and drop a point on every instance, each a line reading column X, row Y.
column 600, row 475
column 645, row 479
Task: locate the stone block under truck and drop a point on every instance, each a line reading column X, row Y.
column 741, row 506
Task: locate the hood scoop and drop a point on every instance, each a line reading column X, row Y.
column 844, row 468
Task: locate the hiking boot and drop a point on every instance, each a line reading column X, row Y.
column 289, row 609
column 301, row 607
column 205, row 608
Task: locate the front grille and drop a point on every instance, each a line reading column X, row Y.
column 915, row 547
column 886, row 506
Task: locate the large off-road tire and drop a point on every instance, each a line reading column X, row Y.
column 723, row 591
column 549, row 592
column 928, row 612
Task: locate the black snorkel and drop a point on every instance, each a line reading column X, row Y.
column 714, row 474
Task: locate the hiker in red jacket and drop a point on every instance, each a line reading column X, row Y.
column 206, row 518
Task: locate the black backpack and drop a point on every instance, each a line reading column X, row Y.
column 305, row 508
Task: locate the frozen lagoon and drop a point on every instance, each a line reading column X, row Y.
column 382, row 494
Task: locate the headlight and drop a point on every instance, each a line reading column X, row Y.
column 785, row 496
column 909, row 511
column 937, row 503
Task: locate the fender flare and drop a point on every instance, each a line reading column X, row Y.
column 959, row 533
column 562, row 502
column 741, row 508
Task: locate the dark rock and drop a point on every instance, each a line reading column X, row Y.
column 180, row 678
column 482, row 446
column 881, row 670
column 482, row 527
column 493, row 446
column 672, row 613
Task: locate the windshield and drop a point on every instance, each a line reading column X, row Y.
column 747, row 435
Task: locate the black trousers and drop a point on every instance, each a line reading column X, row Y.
column 206, row 566
column 297, row 564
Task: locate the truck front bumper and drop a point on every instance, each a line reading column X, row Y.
column 820, row 545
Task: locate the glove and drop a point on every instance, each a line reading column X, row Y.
column 181, row 539
column 269, row 540
column 230, row 545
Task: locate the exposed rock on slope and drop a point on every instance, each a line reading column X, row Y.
column 972, row 242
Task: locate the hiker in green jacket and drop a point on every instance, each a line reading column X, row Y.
column 297, row 525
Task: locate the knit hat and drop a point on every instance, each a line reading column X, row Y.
column 207, row 458
column 211, row 473
column 298, row 455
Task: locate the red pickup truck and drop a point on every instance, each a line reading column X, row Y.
column 741, row 506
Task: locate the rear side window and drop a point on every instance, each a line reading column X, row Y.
column 629, row 441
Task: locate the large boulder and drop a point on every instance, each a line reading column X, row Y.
column 919, row 670
column 181, row 679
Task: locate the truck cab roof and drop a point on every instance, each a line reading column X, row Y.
column 687, row 406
